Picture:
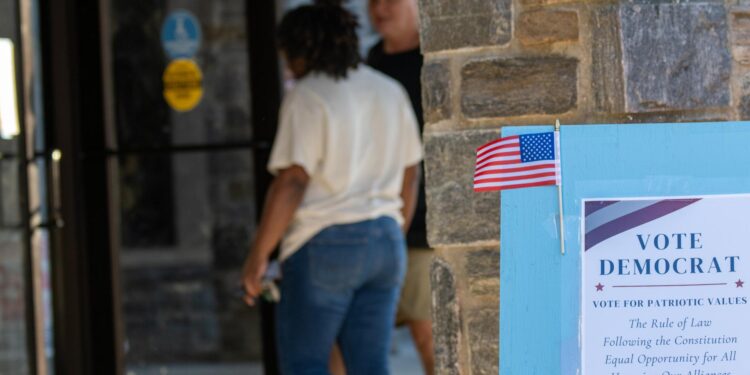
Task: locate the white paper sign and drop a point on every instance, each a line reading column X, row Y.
column 663, row 286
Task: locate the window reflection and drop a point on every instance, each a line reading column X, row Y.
column 184, row 218
column 13, row 329
column 8, row 102
column 12, row 304
column 179, row 300
column 13, row 344
column 139, row 60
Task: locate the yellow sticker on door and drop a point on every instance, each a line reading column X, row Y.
column 183, row 85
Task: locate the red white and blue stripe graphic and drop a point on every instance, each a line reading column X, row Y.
column 606, row 219
column 518, row 161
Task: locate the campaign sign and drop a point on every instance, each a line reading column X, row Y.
column 549, row 324
column 663, row 286
column 181, row 34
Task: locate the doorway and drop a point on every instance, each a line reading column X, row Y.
column 127, row 209
column 131, row 178
column 185, row 160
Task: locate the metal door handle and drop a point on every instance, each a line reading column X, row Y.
column 57, row 219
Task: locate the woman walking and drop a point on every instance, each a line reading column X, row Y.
column 346, row 165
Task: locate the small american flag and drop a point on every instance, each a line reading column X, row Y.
column 518, row 161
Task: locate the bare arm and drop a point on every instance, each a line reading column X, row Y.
column 409, row 193
column 284, row 197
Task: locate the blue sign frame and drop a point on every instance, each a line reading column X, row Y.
column 539, row 288
column 181, row 34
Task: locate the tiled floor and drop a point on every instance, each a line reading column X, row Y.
column 404, row 361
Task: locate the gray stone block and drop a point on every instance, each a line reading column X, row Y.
column 446, row 318
column 744, row 107
column 487, row 288
column 436, row 90
column 741, row 28
column 675, row 55
column 455, row 213
column 483, row 272
column 484, row 341
column 741, row 54
column 607, row 84
column 547, row 26
column 453, row 24
column 660, row 117
column 531, row 3
column 519, row 86
column 483, row 263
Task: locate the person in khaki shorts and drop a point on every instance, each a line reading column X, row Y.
column 397, row 55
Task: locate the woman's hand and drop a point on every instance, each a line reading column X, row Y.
column 284, row 196
column 252, row 276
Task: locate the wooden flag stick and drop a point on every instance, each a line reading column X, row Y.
column 559, row 192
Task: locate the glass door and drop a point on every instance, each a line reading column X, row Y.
column 15, row 353
column 25, row 297
column 182, row 184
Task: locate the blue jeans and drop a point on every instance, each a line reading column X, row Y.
column 341, row 286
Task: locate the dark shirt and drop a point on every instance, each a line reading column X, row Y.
column 406, row 67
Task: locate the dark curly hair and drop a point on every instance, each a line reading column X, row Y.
column 324, row 35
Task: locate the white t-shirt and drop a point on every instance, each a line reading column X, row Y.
column 354, row 137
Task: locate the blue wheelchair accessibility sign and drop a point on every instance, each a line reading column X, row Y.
column 181, row 34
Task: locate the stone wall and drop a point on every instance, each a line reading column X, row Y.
column 494, row 63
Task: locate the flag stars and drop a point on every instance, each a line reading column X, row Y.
column 535, row 147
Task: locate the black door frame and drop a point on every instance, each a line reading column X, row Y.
column 84, row 335
column 266, row 79
column 84, row 277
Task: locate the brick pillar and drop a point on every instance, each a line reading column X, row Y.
column 494, row 63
